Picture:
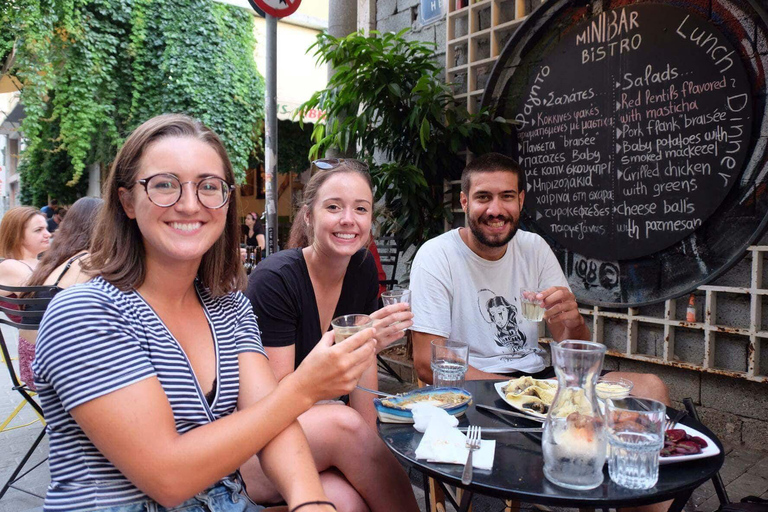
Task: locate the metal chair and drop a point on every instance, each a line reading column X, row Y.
column 29, row 320
column 389, row 254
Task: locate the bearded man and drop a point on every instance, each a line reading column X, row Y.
column 465, row 285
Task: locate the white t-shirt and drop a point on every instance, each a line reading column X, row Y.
column 458, row 295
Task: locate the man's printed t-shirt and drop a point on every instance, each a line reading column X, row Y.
column 460, row 296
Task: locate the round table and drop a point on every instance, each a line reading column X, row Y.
column 518, row 464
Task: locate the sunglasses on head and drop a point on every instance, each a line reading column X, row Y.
column 326, row 164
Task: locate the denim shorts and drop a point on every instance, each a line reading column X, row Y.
column 225, row 496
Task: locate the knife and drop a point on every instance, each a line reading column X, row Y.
column 508, row 413
column 506, row 429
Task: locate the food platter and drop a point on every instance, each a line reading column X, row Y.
column 549, row 388
column 708, row 451
column 398, row 409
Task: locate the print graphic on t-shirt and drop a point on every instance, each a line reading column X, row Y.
column 499, row 312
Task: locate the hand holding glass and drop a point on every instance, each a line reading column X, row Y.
column 533, row 308
column 450, row 360
column 396, row 296
column 636, row 435
column 347, row 325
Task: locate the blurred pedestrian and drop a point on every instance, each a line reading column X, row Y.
column 49, row 209
column 254, row 236
column 53, row 222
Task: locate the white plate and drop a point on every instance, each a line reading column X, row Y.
column 500, row 390
column 709, row 451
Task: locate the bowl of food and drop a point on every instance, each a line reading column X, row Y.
column 615, row 388
column 398, row 409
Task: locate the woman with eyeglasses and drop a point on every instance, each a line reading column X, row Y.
column 326, row 273
column 152, row 376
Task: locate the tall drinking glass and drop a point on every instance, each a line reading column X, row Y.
column 636, row 436
column 347, row 325
column 450, row 360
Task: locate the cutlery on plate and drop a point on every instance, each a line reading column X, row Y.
column 473, row 443
column 672, row 422
column 508, row 413
column 378, row 393
column 504, row 430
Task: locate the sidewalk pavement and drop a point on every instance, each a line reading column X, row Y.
column 745, row 472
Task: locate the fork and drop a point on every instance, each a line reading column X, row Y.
column 473, row 443
column 672, row 421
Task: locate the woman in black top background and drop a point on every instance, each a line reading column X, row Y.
column 254, row 234
column 325, row 273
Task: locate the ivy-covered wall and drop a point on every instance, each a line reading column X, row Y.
column 94, row 70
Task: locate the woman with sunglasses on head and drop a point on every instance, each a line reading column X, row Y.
column 140, row 371
column 326, row 273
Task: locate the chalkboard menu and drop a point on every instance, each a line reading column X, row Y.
column 642, row 126
column 632, row 130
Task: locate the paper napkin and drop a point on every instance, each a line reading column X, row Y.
column 442, row 442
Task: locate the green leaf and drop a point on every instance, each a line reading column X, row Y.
column 424, row 133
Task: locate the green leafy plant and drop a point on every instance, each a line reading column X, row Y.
column 387, row 98
column 94, row 70
column 294, row 143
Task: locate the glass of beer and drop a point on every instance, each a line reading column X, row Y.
column 533, row 308
column 347, row 325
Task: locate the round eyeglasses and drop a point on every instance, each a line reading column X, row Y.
column 165, row 190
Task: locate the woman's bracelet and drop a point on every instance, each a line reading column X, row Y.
column 297, row 507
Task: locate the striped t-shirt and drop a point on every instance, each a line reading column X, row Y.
column 95, row 339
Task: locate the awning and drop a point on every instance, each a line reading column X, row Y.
column 9, row 83
column 12, row 123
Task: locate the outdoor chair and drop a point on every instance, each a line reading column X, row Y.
column 30, row 320
column 748, row 504
column 389, row 254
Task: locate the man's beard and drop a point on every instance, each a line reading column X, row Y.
column 474, row 226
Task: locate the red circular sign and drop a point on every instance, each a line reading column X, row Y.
column 276, row 8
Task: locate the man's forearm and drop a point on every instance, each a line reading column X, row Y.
column 475, row 374
column 573, row 333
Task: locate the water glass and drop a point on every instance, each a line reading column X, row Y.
column 347, row 325
column 636, row 436
column 450, row 360
column 533, row 308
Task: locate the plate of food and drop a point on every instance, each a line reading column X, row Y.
column 684, row 443
column 528, row 395
column 398, row 408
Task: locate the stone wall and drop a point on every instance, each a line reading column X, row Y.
column 395, row 15
column 736, row 409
